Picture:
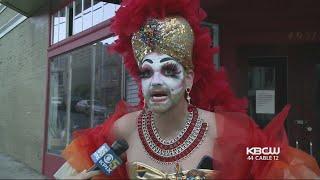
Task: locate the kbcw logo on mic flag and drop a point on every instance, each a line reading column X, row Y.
column 106, row 159
column 263, row 153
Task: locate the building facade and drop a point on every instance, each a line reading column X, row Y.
column 270, row 50
column 57, row 74
column 23, row 71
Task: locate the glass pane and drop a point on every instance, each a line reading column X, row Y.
column 116, row 7
column 85, row 86
column 96, row 2
column 131, row 90
column 77, row 21
column 57, row 126
column 80, row 88
column 77, row 27
column 109, row 10
column 87, row 14
column 98, row 13
column 62, row 25
column 78, row 7
column 55, row 34
column 55, row 28
column 55, row 19
column 261, row 78
column 86, row 4
column 108, row 80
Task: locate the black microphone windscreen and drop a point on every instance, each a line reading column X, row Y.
column 206, row 163
column 119, row 146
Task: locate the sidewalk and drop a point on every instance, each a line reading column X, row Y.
column 12, row 169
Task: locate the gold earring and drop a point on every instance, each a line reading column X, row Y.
column 188, row 95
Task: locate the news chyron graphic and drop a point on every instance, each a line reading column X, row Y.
column 263, row 153
column 106, row 159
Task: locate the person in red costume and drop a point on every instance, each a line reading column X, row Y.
column 187, row 108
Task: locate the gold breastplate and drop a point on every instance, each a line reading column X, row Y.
column 138, row 170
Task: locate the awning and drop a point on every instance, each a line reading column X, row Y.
column 25, row 7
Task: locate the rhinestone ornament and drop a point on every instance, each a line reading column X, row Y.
column 172, row 36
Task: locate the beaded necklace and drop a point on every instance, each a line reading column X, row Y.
column 175, row 149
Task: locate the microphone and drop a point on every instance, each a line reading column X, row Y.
column 108, row 158
column 206, row 163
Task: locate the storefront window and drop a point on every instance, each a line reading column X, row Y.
column 85, row 86
column 59, row 87
column 80, row 94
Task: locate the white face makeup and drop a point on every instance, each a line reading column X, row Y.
column 163, row 81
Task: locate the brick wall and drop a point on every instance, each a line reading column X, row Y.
column 23, row 64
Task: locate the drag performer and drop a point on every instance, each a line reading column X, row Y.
column 187, row 108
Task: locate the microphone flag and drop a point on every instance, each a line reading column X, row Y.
column 106, row 159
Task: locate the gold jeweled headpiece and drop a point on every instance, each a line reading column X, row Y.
column 172, row 36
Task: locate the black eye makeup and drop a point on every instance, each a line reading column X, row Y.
column 171, row 70
column 145, row 72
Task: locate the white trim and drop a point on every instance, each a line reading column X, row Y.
column 11, row 24
column 2, row 8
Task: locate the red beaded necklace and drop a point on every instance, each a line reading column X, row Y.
column 164, row 151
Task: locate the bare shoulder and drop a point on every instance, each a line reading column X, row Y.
column 209, row 118
column 126, row 125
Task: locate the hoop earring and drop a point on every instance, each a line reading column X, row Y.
column 188, row 95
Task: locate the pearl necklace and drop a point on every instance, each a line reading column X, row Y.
column 175, row 149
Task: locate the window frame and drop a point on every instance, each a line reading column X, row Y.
column 85, row 19
column 51, row 162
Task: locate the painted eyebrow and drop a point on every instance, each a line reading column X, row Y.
column 148, row 60
column 166, row 59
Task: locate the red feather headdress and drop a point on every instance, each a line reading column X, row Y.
column 210, row 89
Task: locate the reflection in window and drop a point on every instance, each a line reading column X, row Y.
column 59, row 86
column 80, row 88
column 85, row 86
column 108, row 82
column 132, row 90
